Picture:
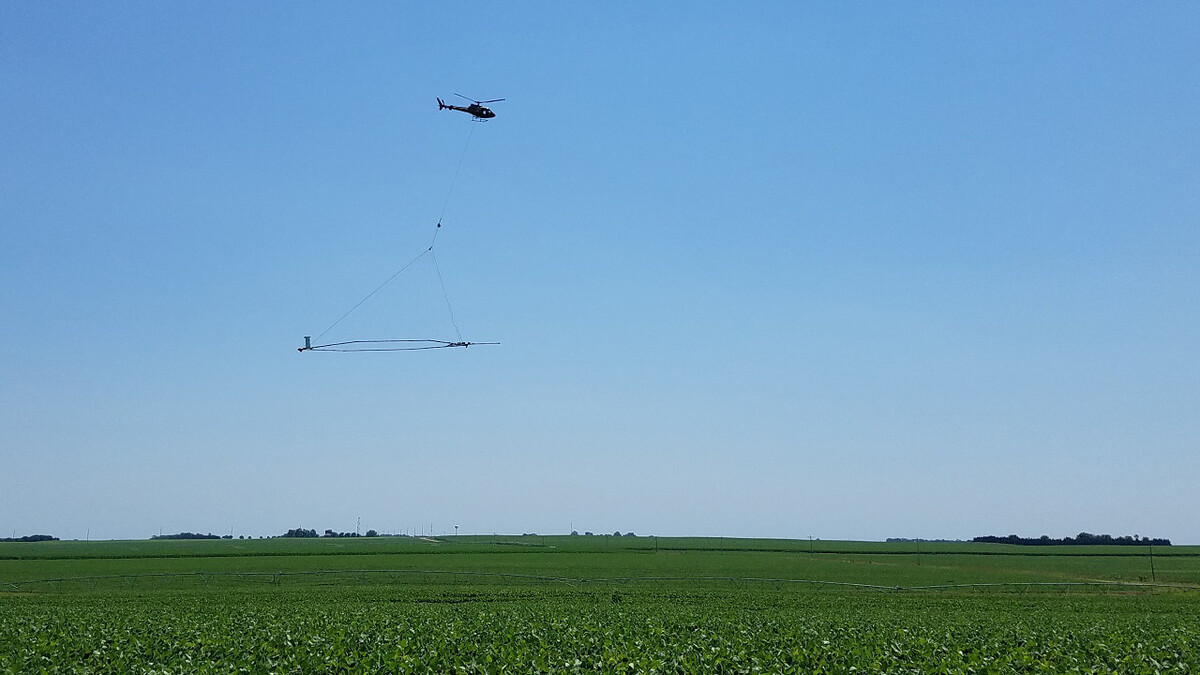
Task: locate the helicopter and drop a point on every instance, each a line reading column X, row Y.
column 476, row 108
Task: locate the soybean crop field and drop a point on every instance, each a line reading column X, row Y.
column 595, row 604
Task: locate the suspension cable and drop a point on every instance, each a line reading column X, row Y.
column 454, row 180
column 407, row 344
column 377, row 289
column 449, row 309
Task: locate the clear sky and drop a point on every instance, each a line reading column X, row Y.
column 847, row 270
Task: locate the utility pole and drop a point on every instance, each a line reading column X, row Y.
column 1152, row 579
column 357, row 524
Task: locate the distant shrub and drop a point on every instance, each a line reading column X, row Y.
column 31, row 537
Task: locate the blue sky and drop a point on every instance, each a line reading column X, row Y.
column 848, row 270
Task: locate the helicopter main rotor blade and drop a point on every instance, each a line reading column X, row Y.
column 477, row 101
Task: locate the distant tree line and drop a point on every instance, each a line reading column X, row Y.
column 331, row 533
column 31, row 537
column 187, row 535
column 1083, row 539
column 301, row 532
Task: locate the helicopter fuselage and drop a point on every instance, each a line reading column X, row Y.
column 475, row 109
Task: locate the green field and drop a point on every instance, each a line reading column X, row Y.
column 594, row 604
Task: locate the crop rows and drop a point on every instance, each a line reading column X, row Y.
column 336, row 630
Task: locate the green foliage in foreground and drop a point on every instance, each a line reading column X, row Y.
column 569, row 605
column 407, row 630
